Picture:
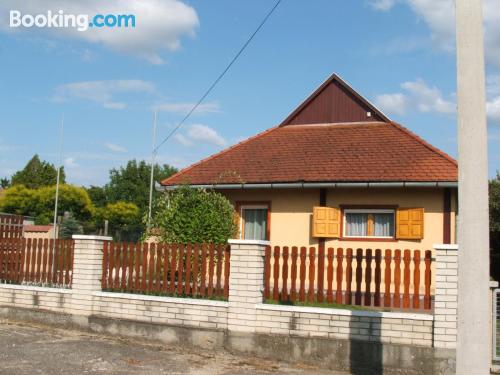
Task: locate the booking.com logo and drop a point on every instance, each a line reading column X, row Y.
column 61, row 20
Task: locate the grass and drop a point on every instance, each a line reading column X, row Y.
column 332, row 305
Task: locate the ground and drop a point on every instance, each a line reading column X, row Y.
column 32, row 349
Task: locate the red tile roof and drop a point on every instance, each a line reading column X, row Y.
column 340, row 152
column 37, row 228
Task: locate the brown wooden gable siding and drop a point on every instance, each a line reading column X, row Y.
column 334, row 102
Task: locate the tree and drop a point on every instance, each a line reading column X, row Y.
column 69, row 226
column 494, row 193
column 97, row 195
column 190, row 215
column 37, row 173
column 39, row 203
column 124, row 220
column 4, row 183
column 131, row 183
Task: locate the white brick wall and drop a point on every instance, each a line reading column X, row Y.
column 394, row 328
column 445, row 303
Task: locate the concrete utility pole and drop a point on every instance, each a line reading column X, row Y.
column 473, row 342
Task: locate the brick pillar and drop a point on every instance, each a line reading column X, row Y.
column 87, row 271
column 246, row 283
column 445, row 303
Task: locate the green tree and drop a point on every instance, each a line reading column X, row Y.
column 97, row 195
column 4, row 183
column 39, row 203
column 190, row 215
column 69, row 226
column 494, row 190
column 131, row 183
column 124, row 219
column 37, row 173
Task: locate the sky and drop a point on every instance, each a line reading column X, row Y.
column 399, row 54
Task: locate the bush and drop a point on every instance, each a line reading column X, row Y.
column 124, row 220
column 190, row 215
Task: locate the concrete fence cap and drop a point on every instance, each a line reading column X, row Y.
column 445, row 246
column 91, row 237
column 249, row 242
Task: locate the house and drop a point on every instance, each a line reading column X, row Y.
column 337, row 173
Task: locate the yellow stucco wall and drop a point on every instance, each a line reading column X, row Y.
column 291, row 211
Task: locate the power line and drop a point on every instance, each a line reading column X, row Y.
column 212, row 86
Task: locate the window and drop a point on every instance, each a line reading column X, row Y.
column 377, row 223
column 254, row 222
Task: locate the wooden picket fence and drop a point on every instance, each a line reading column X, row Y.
column 36, row 261
column 11, row 226
column 192, row 270
column 349, row 277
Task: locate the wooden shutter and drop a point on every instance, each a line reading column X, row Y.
column 326, row 222
column 410, row 223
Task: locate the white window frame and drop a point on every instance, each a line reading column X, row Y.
column 368, row 211
column 254, row 207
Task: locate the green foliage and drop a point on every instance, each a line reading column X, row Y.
column 37, row 173
column 131, row 183
column 495, row 227
column 4, row 183
column 69, row 226
column 39, row 203
column 97, row 195
column 124, row 220
column 191, row 215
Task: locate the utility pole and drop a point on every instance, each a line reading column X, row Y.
column 151, row 182
column 473, row 340
column 58, row 178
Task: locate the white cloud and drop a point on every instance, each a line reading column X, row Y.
column 182, row 139
column 160, row 24
column 383, row 5
column 493, row 109
column 200, row 133
column 439, row 16
column 184, row 108
column 416, row 95
column 70, row 162
column 102, row 92
column 115, row 148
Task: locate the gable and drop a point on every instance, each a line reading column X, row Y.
column 334, row 102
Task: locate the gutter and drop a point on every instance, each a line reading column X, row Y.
column 306, row 185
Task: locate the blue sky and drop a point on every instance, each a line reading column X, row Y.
column 399, row 54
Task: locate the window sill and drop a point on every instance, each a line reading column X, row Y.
column 368, row 239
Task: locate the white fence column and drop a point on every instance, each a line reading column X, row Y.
column 246, row 283
column 87, row 271
column 445, row 303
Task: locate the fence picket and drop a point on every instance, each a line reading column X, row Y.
column 320, row 273
column 44, row 261
column 359, row 276
column 348, row 276
column 368, row 278
column 124, row 263
column 203, row 289
column 276, row 271
column 387, row 278
column 406, row 291
column 50, row 272
column 293, row 286
column 312, row 268
column 218, row 284
column 267, row 272
column 166, row 262
column 284, row 276
column 144, row 266
column 187, row 281
column 340, row 259
column 416, row 279
column 329, row 274
column 211, row 265
column 427, row 295
column 378, row 280
column 137, row 259
column 302, row 292
column 397, row 278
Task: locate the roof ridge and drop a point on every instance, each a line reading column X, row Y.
column 423, row 142
column 213, row 156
